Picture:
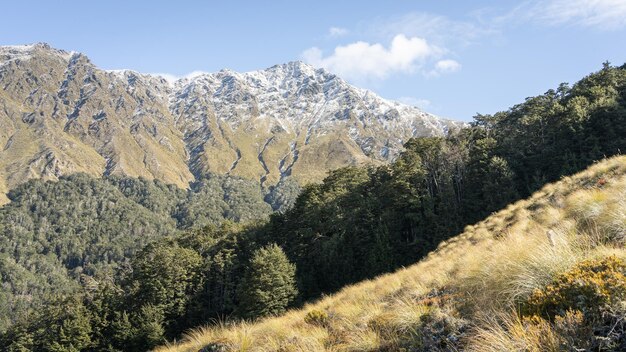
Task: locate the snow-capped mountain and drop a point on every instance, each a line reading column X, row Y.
column 59, row 114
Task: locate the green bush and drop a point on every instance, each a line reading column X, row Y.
column 592, row 287
column 316, row 317
column 585, row 306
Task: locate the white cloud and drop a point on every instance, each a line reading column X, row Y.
column 194, row 74
column 361, row 60
column 443, row 67
column 173, row 78
column 438, row 29
column 603, row 14
column 420, row 103
column 600, row 14
column 167, row 76
column 447, row 66
column 337, row 31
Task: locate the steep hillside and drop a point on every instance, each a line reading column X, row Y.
column 56, row 235
column 60, row 114
column 547, row 272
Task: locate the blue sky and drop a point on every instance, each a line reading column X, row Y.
column 452, row 58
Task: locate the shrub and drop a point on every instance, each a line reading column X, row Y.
column 585, row 305
column 316, row 317
column 442, row 330
column 592, row 287
column 573, row 330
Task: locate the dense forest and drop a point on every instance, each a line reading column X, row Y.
column 58, row 234
column 359, row 222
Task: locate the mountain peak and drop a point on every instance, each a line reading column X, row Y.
column 292, row 65
column 296, row 69
column 12, row 52
column 42, row 45
column 26, row 47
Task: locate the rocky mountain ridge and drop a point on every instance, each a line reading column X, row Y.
column 61, row 114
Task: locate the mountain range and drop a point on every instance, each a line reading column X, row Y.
column 61, row 114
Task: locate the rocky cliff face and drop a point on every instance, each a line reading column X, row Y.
column 60, row 114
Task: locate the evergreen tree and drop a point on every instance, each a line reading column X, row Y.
column 269, row 283
column 167, row 277
column 148, row 328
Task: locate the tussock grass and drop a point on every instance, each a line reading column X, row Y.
column 511, row 333
column 466, row 294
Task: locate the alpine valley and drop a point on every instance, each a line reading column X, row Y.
column 60, row 114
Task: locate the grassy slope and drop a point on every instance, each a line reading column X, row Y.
column 467, row 281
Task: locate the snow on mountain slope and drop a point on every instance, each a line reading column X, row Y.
column 59, row 114
column 302, row 112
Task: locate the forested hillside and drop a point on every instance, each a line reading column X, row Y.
column 547, row 273
column 356, row 224
column 57, row 234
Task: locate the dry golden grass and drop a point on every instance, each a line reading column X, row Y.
column 511, row 333
column 478, row 276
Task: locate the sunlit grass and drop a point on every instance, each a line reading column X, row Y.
column 480, row 276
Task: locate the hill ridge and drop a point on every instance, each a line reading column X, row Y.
column 423, row 305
